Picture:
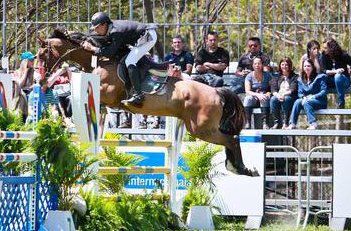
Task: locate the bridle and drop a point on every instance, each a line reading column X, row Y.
column 57, row 56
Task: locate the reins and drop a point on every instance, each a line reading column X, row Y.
column 61, row 58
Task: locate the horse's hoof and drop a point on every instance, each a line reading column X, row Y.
column 248, row 172
column 241, row 169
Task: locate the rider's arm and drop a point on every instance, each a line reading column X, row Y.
column 110, row 50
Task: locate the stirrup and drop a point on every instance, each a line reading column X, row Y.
column 135, row 99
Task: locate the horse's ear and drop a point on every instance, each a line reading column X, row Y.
column 41, row 41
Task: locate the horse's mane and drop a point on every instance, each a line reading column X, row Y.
column 77, row 37
column 74, row 37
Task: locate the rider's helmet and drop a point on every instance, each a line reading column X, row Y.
column 99, row 18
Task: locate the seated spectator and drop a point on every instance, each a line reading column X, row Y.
column 258, row 92
column 312, row 95
column 179, row 56
column 60, row 82
column 312, row 52
column 284, row 91
column 334, row 64
column 211, row 62
column 245, row 64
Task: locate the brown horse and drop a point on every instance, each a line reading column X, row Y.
column 211, row 114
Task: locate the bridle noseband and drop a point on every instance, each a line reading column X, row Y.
column 57, row 56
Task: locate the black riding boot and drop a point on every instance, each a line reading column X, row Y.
column 265, row 118
column 277, row 119
column 134, row 76
column 248, row 112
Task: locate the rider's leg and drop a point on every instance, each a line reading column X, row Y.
column 133, row 57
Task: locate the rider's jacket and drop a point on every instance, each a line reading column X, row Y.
column 120, row 33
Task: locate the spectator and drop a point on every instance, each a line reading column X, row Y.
column 60, row 82
column 257, row 88
column 245, row 62
column 334, row 64
column 312, row 52
column 180, row 56
column 284, row 91
column 19, row 104
column 312, row 95
column 212, row 61
column 24, row 75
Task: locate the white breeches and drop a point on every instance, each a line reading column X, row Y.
column 144, row 44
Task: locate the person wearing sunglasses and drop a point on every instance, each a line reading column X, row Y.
column 246, row 60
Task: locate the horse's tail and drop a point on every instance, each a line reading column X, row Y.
column 233, row 118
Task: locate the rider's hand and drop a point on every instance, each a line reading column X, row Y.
column 87, row 46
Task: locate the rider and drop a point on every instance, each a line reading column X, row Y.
column 121, row 33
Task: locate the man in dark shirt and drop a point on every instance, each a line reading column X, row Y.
column 120, row 33
column 245, row 61
column 179, row 56
column 212, row 59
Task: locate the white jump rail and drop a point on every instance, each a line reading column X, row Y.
column 17, row 135
column 23, row 157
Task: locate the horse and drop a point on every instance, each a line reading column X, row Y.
column 215, row 115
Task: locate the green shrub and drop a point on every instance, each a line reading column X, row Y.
column 64, row 163
column 199, row 171
column 144, row 213
column 198, row 160
column 101, row 214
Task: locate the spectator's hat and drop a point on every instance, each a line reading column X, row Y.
column 27, row 55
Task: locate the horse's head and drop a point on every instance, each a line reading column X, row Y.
column 62, row 46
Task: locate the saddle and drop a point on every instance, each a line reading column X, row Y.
column 153, row 75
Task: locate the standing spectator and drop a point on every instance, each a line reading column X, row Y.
column 212, row 61
column 334, row 64
column 312, row 52
column 245, row 62
column 60, row 82
column 24, row 76
column 284, row 91
column 180, row 56
column 258, row 92
column 312, row 93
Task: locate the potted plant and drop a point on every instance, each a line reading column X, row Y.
column 199, row 172
column 64, row 164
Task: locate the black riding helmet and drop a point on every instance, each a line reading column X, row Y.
column 99, row 18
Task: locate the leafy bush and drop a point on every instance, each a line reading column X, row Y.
column 199, row 171
column 198, row 160
column 101, row 214
column 64, row 163
column 145, row 213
